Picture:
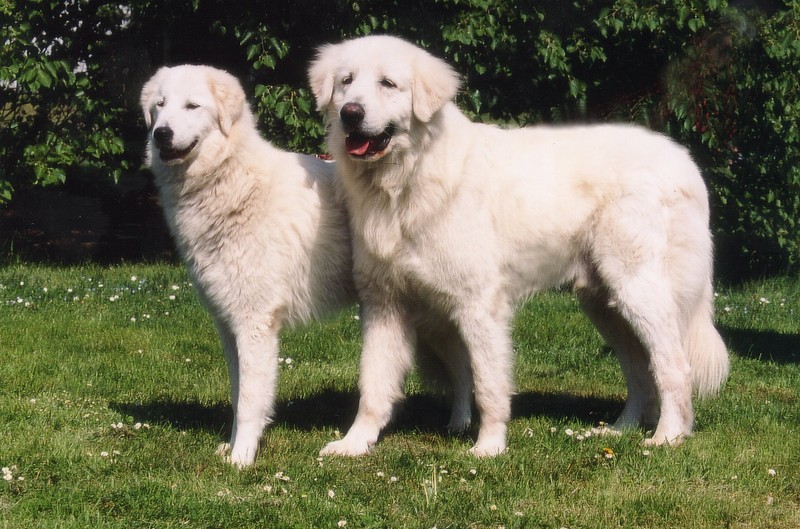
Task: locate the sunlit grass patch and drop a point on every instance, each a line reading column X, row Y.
column 115, row 396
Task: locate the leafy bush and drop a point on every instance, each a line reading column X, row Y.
column 53, row 115
column 721, row 80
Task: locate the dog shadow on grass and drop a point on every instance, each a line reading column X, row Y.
column 424, row 413
column 428, row 413
column 763, row 345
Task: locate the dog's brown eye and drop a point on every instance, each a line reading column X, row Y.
column 160, row 103
column 347, row 79
column 388, row 83
column 192, row 106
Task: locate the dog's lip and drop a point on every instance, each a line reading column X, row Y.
column 360, row 145
column 169, row 154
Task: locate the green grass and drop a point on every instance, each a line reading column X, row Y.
column 114, row 395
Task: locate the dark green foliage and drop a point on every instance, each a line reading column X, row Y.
column 722, row 80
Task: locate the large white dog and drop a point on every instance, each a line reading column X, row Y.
column 262, row 232
column 454, row 223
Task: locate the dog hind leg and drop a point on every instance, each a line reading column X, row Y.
column 641, row 405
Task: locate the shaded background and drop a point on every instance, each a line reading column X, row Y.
column 722, row 78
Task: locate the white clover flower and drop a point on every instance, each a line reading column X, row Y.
column 331, row 493
column 528, row 432
column 772, row 472
column 341, row 523
column 569, row 432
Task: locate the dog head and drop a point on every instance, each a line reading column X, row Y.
column 373, row 90
column 185, row 105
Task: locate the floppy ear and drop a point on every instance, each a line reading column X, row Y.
column 230, row 98
column 320, row 75
column 435, row 83
column 147, row 98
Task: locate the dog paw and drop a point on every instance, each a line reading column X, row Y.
column 345, row 447
column 487, row 450
column 460, row 421
column 459, row 426
column 241, row 455
column 491, row 440
column 665, row 440
column 606, row 430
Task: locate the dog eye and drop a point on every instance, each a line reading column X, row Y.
column 388, row 83
column 192, row 106
column 160, row 103
column 347, row 79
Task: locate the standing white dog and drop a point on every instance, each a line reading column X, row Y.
column 461, row 221
column 262, row 232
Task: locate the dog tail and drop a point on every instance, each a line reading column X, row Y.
column 708, row 355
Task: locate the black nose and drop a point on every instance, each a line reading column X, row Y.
column 162, row 136
column 352, row 114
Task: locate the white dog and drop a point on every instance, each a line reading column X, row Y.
column 262, row 232
column 454, row 223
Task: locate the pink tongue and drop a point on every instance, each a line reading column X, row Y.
column 357, row 146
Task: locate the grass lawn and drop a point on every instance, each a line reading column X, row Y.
column 114, row 396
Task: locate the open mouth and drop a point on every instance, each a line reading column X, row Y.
column 167, row 154
column 361, row 146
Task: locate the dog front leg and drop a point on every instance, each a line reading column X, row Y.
column 229, row 347
column 386, row 358
column 487, row 337
column 257, row 382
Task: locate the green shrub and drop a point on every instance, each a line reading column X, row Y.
column 721, row 80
